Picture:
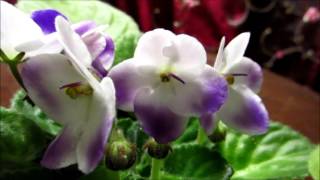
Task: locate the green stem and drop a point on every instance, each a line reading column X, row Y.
column 155, row 169
column 201, row 136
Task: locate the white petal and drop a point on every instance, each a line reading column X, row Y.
column 95, row 133
column 16, row 28
column 234, row 51
column 252, row 77
column 76, row 49
column 150, row 47
column 43, row 77
column 220, row 61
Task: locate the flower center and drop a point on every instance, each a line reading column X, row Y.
column 230, row 78
column 165, row 77
column 77, row 89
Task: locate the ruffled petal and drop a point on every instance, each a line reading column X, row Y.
column 16, row 28
column 244, row 111
column 253, row 74
column 128, row 78
column 91, row 146
column 150, row 47
column 203, row 93
column 61, row 151
column 104, row 60
column 208, row 123
column 234, row 51
column 45, row 19
column 43, row 77
column 75, row 48
column 83, row 27
column 156, row 117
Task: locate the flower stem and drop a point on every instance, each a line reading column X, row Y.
column 155, row 169
column 201, row 136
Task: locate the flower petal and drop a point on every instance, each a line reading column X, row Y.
column 45, row 19
column 208, row 123
column 220, row 61
column 91, row 146
column 76, row 49
column 16, row 28
column 244, row 111
column 156, row 118
column 190, row 54
column 128, row 78
column 150, row 47
column 83, row 27
column 104, row 60
column 43, row 76
column 61, row 151
column 234, row 51
column 253, row 71
column 208, row 91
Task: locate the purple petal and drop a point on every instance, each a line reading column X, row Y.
column 207, row 121
column 61, row 152
column 244, row 111
column 45, row 19
column 253, row 71
column 156, row 118
column 83, row 27
column 128, row 79
column 208, row 91
column 105, row 59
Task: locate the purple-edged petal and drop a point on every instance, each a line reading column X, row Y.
column 244, row 111
column 83, row 27
column 253, row 72
column 46, row 19
column 43, row 75
column 128, row 78
column 61, row 151
column 91, row 146
column 16, row 28
column 156, row 118
column 76, row 49
column 208, row 123
column 104, row 60
column 203, row 93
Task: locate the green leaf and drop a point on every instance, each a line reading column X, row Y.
column 314, row 167
column 192, row 161
column 21, row 106
column 280, row 153
column 21, row 139
column 122, row 28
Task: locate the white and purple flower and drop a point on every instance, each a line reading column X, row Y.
column 63, row 77
column 243, row 110
column 166, row 82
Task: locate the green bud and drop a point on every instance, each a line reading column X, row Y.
column 156, row 150
column 219, row 134
column 120, row 154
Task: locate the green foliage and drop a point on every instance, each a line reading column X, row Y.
column 280, row 153
column 122, row 28
column 314, row 167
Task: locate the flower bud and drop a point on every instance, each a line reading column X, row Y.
column 120, row 155
column 156, row 150
column 219, row 134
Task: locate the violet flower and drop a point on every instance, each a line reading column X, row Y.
column 243, row 110
column 166, row 82
column 65, row 85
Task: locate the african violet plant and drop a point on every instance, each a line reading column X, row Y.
column 102, row 101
